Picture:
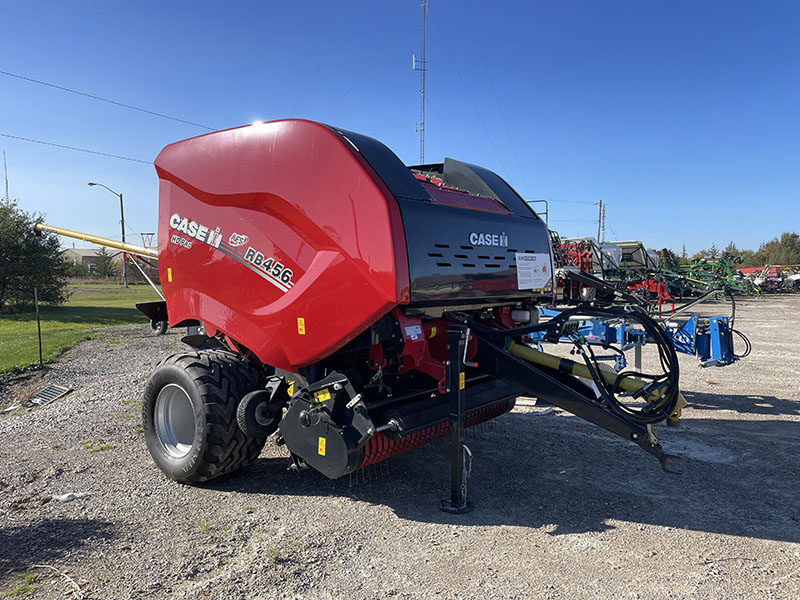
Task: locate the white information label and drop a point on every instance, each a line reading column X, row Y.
column 414, row 332
column 533, row 271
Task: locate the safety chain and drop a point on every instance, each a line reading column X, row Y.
column 466, row 460
column 377, row 377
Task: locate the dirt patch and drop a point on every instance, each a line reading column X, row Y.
column 563, row 510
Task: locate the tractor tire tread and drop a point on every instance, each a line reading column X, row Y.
column 222, row 378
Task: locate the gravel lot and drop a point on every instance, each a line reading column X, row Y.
column 563, row 509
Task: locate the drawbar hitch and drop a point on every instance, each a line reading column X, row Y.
column 550, row 385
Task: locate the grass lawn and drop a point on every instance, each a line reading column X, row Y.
column 90, row 306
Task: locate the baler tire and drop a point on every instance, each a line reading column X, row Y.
column 159, row 327
column 256, row 416
column 189, row 415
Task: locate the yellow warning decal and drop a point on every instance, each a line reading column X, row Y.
column 290, row 390
column 322, row 395
column 301, row 325
column 169, row 274
column 321, row 446
column 462, row 380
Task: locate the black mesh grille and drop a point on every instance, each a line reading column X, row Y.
column 477, row 259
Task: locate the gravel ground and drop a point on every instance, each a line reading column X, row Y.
column 562, row 509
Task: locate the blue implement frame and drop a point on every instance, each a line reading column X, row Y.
column 712, row 345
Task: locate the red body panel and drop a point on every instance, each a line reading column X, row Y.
column 295, row 192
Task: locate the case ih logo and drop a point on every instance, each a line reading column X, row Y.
column 238, row 240
column 488, row 239
column 192, row 229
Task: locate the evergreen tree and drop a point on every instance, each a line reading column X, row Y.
column 105, row 267
column 29, row 259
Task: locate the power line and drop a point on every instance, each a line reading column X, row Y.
column 24, row 139
column 573, row 220
column 450, row 131
column 496, row 99
column 128, row 225
column 342, row 30
column 401, row 111
column 114, row 102
column 466, row 89
column 369, row 64
column 565, row 201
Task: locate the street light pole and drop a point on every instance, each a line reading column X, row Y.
column 122, row 223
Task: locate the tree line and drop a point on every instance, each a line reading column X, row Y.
column 781, row 250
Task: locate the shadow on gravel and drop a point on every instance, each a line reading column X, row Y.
column 565, row 476
column 748, row 404
column 47, row 540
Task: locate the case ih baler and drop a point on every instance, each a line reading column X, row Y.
column 397, row 299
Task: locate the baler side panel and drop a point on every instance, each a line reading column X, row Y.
column 291, row 193
column 448, row 266
column 455, row 255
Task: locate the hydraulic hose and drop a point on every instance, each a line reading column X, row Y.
column 668, row 401
column 627, row 383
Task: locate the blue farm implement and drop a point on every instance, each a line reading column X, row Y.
column 710, row 339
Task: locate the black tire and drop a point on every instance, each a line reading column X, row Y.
column 159, row 327
column 256, row 416
column 191, row 432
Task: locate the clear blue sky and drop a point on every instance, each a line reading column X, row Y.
column 683, row 116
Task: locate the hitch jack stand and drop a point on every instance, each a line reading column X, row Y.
column 460, row 455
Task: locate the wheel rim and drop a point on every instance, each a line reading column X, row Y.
column 263, row 416
column 174, row 420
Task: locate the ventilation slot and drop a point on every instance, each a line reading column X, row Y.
column 484, row 257
column 468, row 265
column 435, row 255
column 461, row 255
column 492, row 266
column 466, row 247
column 443, row 265
column 441, row 245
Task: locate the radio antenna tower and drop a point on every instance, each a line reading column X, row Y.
column 421, row 65
column 5, row 167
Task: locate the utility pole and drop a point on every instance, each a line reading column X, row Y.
column 603, row 225
column 601, row 221
column 124, row 256
column 5, row 167
column 599, row 218
column 421, row 66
